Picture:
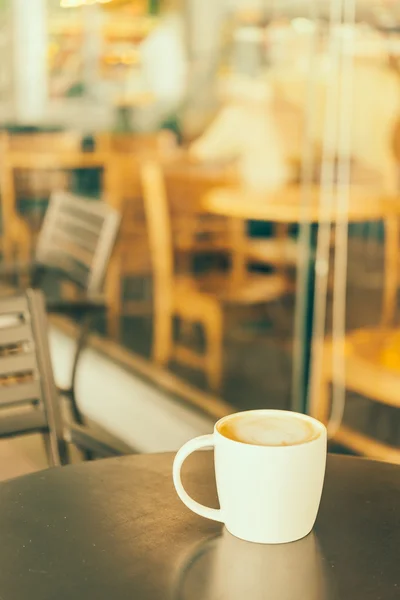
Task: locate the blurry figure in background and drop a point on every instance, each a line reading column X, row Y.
column 248, row 54
column 246, row 130
column 165, row 70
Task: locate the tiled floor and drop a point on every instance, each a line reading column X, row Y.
column 257, row 355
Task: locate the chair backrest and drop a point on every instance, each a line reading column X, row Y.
column 127, row 152
column 77, row 237
column 186, row 185
column 26, row 373
column 158, row 227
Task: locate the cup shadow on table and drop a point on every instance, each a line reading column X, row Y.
column 226, row 568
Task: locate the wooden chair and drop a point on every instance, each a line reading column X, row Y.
column 372, row 364
column 26, row 377
column 131, row 256
column 199, row 232
column 33, row 166
column 181, row 296
column 76, row 241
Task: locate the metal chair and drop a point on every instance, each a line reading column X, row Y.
column 27, row 387
column 76, row 241
column 77, row 238
column 26, row 377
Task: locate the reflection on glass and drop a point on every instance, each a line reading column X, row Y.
column 259, row 95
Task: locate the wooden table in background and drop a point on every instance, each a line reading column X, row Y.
column 286, row 205
column 291, row 205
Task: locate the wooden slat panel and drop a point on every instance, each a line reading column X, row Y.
column 20, row 392
column 63, row 244
column 78, row 232
column 103, row 252
column 15, row 335
column 84, row 213
column 77, row 222
column 57, row 259
column 17, row 364
column 75, row 241
column 96, row 209
column 79, row 235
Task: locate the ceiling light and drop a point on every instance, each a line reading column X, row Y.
column 76, row 3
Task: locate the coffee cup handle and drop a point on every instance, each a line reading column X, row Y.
column 204, row 441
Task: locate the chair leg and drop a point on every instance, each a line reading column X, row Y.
column 47, row 448
column 56, row 450
column 113, row 298
column 7, row 251
column 80, row 345
column 162, row 337
column 70, row 392
column 113, row 324
column 214, row 357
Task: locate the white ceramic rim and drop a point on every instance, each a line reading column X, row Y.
column 270, row 411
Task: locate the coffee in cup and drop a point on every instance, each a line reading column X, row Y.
column 265, row 430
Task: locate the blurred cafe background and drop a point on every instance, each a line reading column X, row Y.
column 210, row 191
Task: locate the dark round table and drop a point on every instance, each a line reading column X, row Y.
column 115, row 530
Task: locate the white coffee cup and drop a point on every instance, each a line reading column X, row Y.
column 269, row 488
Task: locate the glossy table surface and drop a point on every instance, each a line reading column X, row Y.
column 116, row 530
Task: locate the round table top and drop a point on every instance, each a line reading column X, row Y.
column 116, row 529
column 180, row 166
column 292, row 204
